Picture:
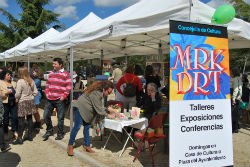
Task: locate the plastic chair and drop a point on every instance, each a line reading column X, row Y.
column 156, row 121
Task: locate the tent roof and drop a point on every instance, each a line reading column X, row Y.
column 146, row 32
column 59, row 44
column 144, row 16
column 11, row 52
column 36, row 44
column 141, row 29
column 124, row 34
column 62, row 40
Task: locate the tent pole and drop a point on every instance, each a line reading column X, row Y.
column 246, row 57
column 102, row 61
column 68, row 62
column 71, row 93
column 29, row 63
column 159, row 52
column 5, row 63
column 190, row 6
column 126, row 60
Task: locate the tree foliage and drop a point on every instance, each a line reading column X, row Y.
column 238, row 57
column 34, row 21
column 242, row 9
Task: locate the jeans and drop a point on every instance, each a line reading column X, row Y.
column 10, row 112
column 1, row 136
column 49, row 106
column 77, row 125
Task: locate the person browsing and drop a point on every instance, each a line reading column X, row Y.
column 90, row 110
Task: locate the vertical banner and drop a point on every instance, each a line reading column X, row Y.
column 200, row 112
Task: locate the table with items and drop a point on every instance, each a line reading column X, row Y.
column 127, row 119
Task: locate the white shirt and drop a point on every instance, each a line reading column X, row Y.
column 74, row 78
column 237, row 89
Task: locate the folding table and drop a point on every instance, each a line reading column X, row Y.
column 119, row 125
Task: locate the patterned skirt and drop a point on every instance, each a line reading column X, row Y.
column 26, row 107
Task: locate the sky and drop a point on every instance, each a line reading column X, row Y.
column 72, row 11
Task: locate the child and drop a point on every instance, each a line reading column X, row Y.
column 3, row 146
column 36, row 73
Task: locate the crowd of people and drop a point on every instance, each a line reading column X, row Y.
column 90, row 107
column 240, row 91
column 19, row 101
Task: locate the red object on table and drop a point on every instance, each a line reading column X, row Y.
column 114, row 102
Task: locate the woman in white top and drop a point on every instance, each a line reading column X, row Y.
column 236, row 98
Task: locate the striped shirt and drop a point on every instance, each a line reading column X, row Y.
column 58, row 85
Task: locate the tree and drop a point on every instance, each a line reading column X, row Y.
column 242, row 9
column 35, row 20
column 239, row 56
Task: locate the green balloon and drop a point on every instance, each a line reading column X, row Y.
column 223, row 14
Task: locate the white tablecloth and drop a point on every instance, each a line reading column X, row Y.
column 117, row 125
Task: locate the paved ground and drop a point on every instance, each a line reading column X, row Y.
column 46, row 153
column 38, row 153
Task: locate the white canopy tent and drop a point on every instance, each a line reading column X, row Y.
column 141, row 29
column 12, row 52
column 59, row 45
column 37, row 45
column 146, row 31
column 41, row 50
column 29, row 46
column 62, row 40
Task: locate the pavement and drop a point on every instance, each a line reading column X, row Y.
column 80, row 155
column 38, row 153
column 110, row 156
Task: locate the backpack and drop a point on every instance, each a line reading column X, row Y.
column 129, row 89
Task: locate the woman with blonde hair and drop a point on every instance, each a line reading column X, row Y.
column 88, row 109
column 25, row 92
